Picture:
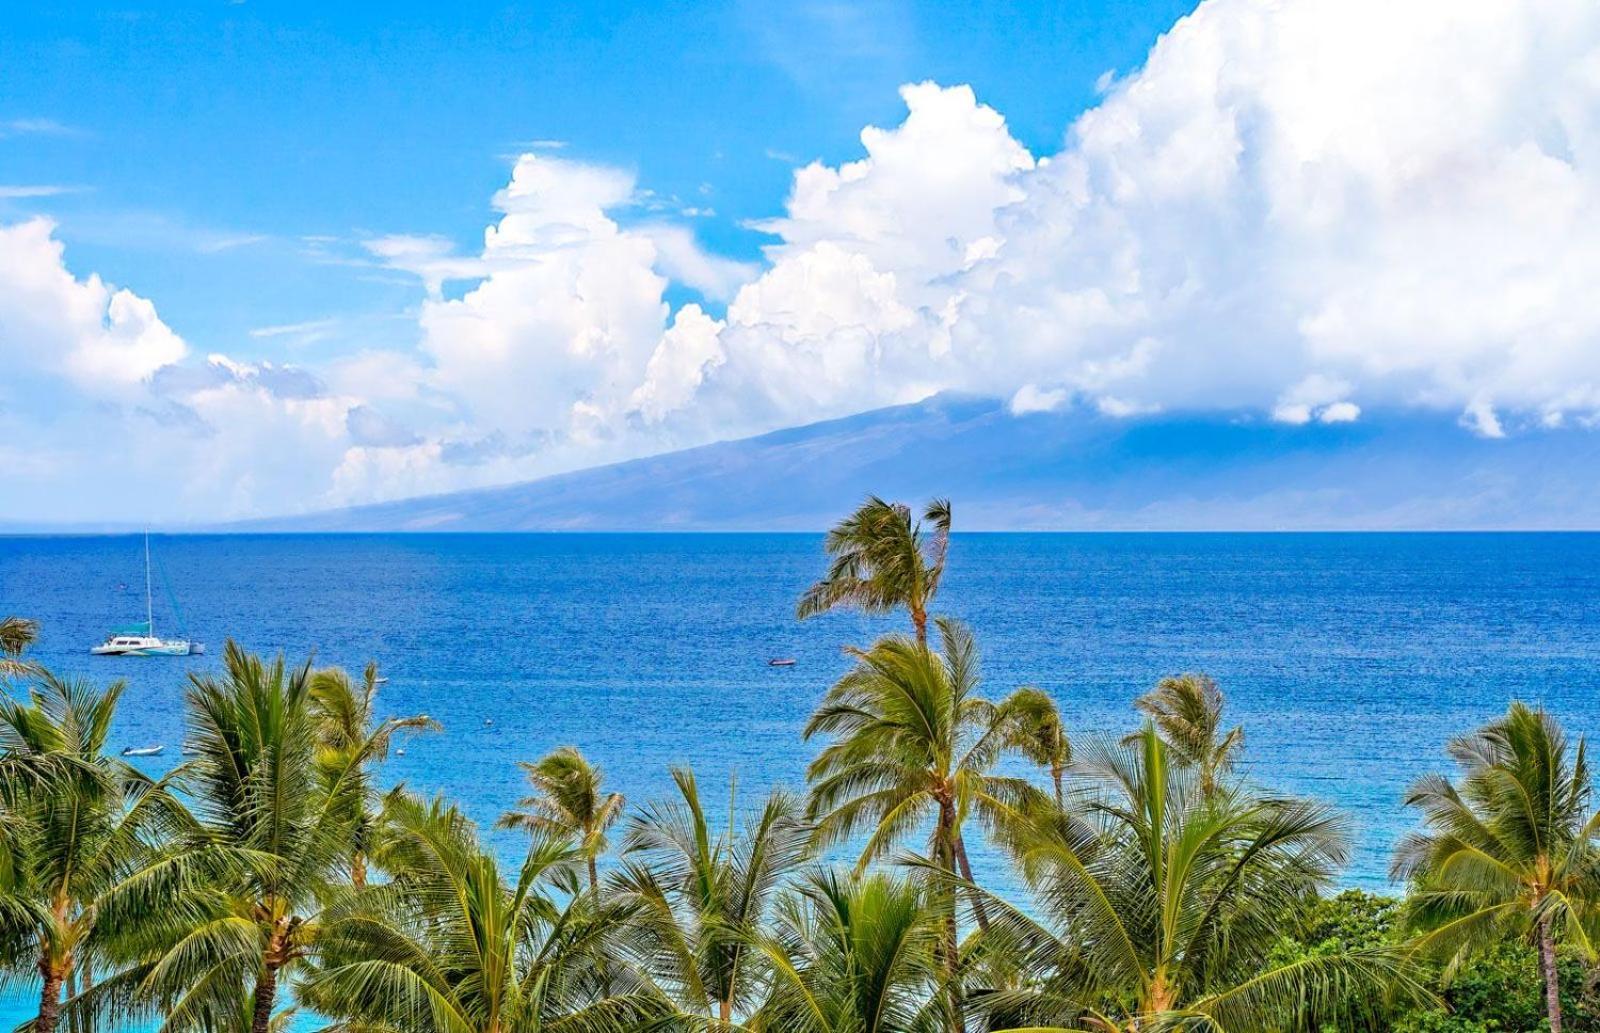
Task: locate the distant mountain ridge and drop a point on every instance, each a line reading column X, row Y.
column 1065, row 470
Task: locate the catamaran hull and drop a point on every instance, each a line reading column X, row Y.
column 163, row 649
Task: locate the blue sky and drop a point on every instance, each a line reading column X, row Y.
column 290, row 257
column 189, row 130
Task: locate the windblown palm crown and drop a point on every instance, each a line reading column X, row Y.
column 16, row 635
column 1187, row 712
column 883, row 559
column 568, row 800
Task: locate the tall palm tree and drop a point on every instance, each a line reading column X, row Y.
column 568, row 801
column 913, row 745
column 274, row 838
column 1509, row 848
column 855, row 954
column 16, row 635
column 452, row 944
column 1038, row 733
column 883, row 559
column 350, row 739
column 707, row 894
column 1159, row 905
column 1187, row 712
column 81, row 829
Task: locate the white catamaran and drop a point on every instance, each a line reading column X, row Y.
column 141, row 639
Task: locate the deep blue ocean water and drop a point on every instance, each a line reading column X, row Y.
column 1350, row 658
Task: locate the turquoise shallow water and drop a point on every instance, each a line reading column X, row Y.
column 1349, row 658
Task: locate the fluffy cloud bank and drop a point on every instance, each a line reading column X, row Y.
column 104, row 341
column 1301, row 208
column 1309, row 209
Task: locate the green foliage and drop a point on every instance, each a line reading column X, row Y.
column 1499, row 990
column 913, row 750
column 1348, row 920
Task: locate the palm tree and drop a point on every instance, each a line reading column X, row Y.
column 274, row 837
column 1158, row 906
column 882, row 560
column 81, row 828
column 16, row 635
column 1509, row 849
column 1037, row 732
column 706, row 894
column 350, row 739
column 913, row 743
column 1187, row 712
column 853, row 955
column 568, row 802
column 451, row 944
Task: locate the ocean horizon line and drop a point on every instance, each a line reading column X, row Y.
column 211, row 532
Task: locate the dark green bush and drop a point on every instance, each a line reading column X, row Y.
column 1497, row 992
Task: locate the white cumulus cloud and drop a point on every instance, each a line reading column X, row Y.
column 1304, row 207
column 104, row 340
column 1313, row 210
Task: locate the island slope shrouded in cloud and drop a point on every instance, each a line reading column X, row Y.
column 1308, row 211
column 1049, row 471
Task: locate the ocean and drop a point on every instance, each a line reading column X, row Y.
column 1350, row 659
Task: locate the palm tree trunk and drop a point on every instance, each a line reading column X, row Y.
column 919, row 620
column 1056, row 771
column 725, row 1012
column 358, row 870
column 49, row 998
column 1552, row 985
column 85, row 973
column 945, row 854
column 978, row 909
column 266, row 997
column 594, row 878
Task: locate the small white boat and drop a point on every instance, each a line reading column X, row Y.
column 141, row 639
column 142, row 751
column 781, row 661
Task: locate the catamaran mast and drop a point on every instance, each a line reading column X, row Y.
column 149, row 607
